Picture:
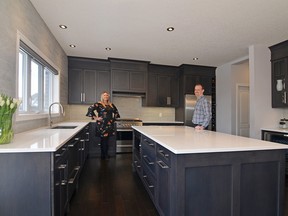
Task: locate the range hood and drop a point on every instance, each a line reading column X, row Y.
column 128, row 94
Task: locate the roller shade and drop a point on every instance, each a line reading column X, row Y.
column 37, row 57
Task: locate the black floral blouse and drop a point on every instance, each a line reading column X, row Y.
column 109, row 113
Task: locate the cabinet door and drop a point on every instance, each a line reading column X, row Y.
column 138, row 81
column 163, row 188
column 103, row 83
column 189, row 83
column 120, row 80
column 75, row 86
column 89, row 87
column 279, row 77
column 152, row 91
column 164, row 90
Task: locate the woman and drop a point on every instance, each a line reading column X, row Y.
column 106, row 114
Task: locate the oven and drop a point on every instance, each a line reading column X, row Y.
column 124, row 134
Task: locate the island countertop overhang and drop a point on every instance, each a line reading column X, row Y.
column 187, row 140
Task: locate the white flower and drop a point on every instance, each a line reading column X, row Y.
column 2, row 103
column 8, row 102
column 12, row 105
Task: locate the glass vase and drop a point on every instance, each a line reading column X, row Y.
column 6, row 130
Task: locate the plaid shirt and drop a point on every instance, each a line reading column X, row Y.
column 202, row 112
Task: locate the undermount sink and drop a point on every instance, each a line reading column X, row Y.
column 64, row 127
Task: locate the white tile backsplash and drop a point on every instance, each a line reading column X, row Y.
column 128, row 107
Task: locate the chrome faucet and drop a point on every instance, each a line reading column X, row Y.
column 50, row 115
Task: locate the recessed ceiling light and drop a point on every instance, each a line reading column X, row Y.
column 195, row 59
column 108, row 48
column 72, row 45
column 63, row 26
column 169, row 29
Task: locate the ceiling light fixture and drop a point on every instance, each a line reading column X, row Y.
column 169, row 29
column 108, row 48
column 72, row 45
column 195, row 59
column 63, row 26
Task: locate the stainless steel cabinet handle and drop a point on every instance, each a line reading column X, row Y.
column 284, row 99
column 84, row 99
column 161, row 152
column 136, row 163
column 146, row 180
column 71, row 180
column 62, row 166
column 147, row 160
column 64, row 182
column 162, row 164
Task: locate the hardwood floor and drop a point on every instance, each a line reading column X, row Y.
column 110, row 188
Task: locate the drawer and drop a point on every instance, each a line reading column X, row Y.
column 149, row 159
column 148, row 143
column 163, row 154
column 149, row 181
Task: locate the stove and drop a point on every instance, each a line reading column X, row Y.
column 128, row 123
column 124, row 133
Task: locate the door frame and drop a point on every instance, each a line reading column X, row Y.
column 238, row 85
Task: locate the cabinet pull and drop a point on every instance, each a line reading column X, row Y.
column 62, row 166
column 81, row 98
column 136, row 163
column 71, row 180
column 284, row 97
column 84, row 99
column 64, row 182
column 147, row 182
column 71, row 145
column 162, row 164
column 147, row 160
column 149, row 143
column 161, row 152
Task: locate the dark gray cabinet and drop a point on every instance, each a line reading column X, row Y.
column 279, row 74
column 88, row 78
column 163, row 86
column 215, row 183
column 128, row 76
column 38, row 183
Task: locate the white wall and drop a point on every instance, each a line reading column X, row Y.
column 261, row 112
column 20, row 15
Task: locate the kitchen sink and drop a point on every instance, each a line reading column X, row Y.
column 64, row 127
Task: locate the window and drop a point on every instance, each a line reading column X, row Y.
column 37, row 82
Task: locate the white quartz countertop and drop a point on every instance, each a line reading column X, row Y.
column 186, row 140
column 43, row 139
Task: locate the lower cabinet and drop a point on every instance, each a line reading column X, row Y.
column 39, row 183
column 216, row 183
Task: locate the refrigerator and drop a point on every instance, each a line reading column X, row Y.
column 189, row 105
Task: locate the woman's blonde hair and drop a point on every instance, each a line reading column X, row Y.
column 102, row 98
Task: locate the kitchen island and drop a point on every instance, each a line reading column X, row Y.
column 40, row 169
column 190, row 172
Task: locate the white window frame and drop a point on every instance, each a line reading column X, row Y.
column 56, row 80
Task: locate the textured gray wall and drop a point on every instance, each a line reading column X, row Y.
column 21, row 15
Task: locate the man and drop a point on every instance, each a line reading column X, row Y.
column 202, row 113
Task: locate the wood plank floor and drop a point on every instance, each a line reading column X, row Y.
column 110, row 188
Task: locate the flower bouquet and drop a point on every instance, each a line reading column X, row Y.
column 8, row 106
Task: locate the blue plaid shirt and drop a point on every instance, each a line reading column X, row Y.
column 202, row 112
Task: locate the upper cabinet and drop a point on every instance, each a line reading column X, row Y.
column 163, row 86
column 87, row 79
column 279, row 78
column 128, row 76
column 193, row 74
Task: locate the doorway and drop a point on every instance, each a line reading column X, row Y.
column 242, row 110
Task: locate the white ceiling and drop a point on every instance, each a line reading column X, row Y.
column 215, row 31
